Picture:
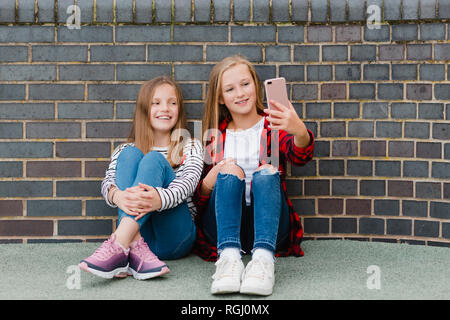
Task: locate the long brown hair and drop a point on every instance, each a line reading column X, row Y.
column 215, row 112
column 141, row 130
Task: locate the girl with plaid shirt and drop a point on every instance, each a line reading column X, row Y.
column 241, row 198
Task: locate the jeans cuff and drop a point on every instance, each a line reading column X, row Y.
column 264, row 245
column 229, row 243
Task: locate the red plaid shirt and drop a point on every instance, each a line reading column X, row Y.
column 287, row 151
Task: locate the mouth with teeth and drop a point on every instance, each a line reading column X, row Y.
column 164, row 117
column 241, row 102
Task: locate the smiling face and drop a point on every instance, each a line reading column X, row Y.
column 164, row 109
column 238, row 91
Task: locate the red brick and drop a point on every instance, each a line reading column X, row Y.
column 331, row 206
column 11, row 208
column 333, row 91
column 54, row 169
column 26, row 228
column 358, row 206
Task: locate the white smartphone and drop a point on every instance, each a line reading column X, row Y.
column 276, row 91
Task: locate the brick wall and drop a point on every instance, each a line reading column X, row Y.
column 378, row 101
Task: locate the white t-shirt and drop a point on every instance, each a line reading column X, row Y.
column 244, row 147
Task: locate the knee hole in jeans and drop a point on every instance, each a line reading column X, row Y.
column 267, row 169
column 233, row 169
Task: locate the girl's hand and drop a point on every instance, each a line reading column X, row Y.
column 130, row 202
column 149, row 199
column 210, row 180
column 285, row 118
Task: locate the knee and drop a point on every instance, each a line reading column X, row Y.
column 130, row 154
column 233, row 169
column 267, row 169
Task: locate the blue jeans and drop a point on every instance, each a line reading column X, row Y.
column 229, row 222
column 170, row 233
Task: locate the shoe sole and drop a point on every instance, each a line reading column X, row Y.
column 255, row 291
column 225, row 289
column 103, row 274
column 148, row 275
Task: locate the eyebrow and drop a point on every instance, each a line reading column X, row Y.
column 231, row 84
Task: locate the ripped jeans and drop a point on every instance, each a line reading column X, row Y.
column 170, row 233
column 229, row 222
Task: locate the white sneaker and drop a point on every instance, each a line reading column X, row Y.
column 258, row 277
column 227, row 278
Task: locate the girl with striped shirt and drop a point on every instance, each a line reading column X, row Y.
column 151, row 179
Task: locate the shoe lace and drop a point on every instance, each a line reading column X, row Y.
column 144, row 252
column 225, row 267
column 106, row 250
column 256, row 268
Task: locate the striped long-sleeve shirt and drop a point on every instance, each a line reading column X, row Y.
column 180, row 189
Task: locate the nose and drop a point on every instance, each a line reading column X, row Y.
column 240, row 92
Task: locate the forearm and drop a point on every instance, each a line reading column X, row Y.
column 302, row 138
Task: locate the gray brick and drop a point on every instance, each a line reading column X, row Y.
column 83, row 150
column 414, row 208
column 319, row 73
column 428, row 190
column 373, row 148
column 278, row 53
column 332, row 129
column 84, row 227
column 99, row 208
column 118, row 53
column 440, row 210
column 59, row 53
column 343, row 187
column 441, row 51
column 441, row 131
column 11, row 169
column 104, row 11
column 113, row 91
column 87, row 10
column 403, row 110
column 143, row 72
column 392, row 10
column 318, row 110
column 222, row 10
column 56, row 92
column 22, row 111
column 428, row 150
column 405, row 32
column 390, row 91
column 419, row 91
column 363, row 53
column 108, row 129
column 343, row 225
column 194, row 110
column 432, row 31
column 319, row 33
column 163, row 11
column 317, row 225
column 317, row 187
column 426, row 228
column 261, row 11
column 306, row 53
column 10, row 130
column 280, row 11
column 142, row 33
column 440, row 170
column 86, row 34
column 202, row 10
column 124, row 11
column 26, row 188
column 387, row 168
column 85, row 110
column 448, row 111
column 217, row 53
column 304, row 92
column 55, row 130
column 361, row 129
column 241, row 10
column 290, row 34
column 191, row 91
column 442, row 91
column 371, row 226
column 299, row 10
column 305, row 206
column 338, row 10
column 346, row 110
column 372, row 187
column 46, row 10
column 27, row 72
column 432, row 72
column 334, row 53
column 143, row 11
column 348, row 33
column 308, row 170
column 399, row 227
column 13, row 53
column 81, row 72
column 356, row 10
column 418, row 51
column 388, row 129
column 427, row 9
column 26, row 34
column 382, row 34
column 410, row 10
column 431, row 110
column 182, row 11
column 170, row 53
column 391, row 52
column 359, row 168
column 292, row 73
column 12, row 92
column 376, row 72
column 319, row 11
column 444, row 9
column 57, row 208
column 8, row 12
column 415, row 169
column 25, row 11
column 362, row 91
column 124, row 110
column 418, row 130
column 404, row 72
column 253, row 34
column 386, row 207
column 347, row 72
column 201, row 33
column 192, row 72
column 345, row 148
column 26, row 149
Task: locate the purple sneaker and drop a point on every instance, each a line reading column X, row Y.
column 108, row 261
column 144, row 264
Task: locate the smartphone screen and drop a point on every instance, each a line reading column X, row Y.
column 276, row 90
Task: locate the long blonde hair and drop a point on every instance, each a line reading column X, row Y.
column 215, row 112
column 141, row 130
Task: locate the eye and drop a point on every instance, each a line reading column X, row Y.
column 228, row 89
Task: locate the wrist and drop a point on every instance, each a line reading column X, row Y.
column 113, row 194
